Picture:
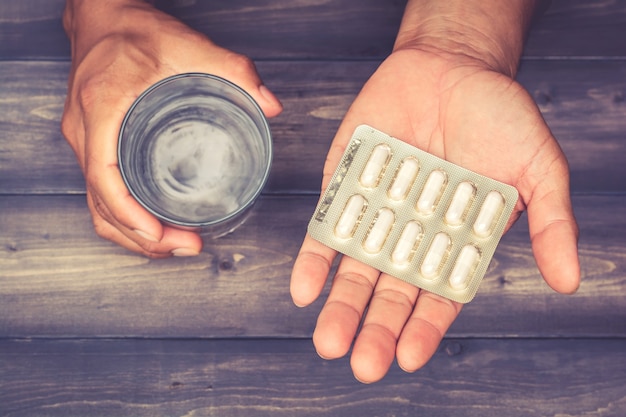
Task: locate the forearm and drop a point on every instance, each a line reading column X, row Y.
column 489, row 31
column 88, row 21
column 96, row 13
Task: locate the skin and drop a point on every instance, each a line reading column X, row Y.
column 448, row 88
column 120, row 48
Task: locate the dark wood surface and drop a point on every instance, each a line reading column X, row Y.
column 309, row 29
column 582, row 101
column 87, row 328
column 467, row 377
column 72, row 284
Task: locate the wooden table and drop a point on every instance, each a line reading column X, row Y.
column 87, row 328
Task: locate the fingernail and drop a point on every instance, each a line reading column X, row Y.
column 146, row 235
column 185, row 252
column 268, row 95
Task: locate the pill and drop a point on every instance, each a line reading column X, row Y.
column 464, row 267
column 460, row 203
column 404, row 179
column 431, row 192
column 375, row 166
column 379, row 231
column 488, row 214
column 435, row 256
column 405, row 248
column 350, row 217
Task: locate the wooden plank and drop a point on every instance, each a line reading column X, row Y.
column 466, row 378
column 579, row 28
column 31, row 105
column 314, row 29
column 58, row 279
column 582, row 101
column 32, row 29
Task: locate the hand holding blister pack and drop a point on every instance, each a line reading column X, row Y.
column 413, row 215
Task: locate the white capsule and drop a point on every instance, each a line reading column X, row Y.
column 404, row 179
column 461, row 199
column 352, row 212
column 379, row 231
column 375, row 166
column 435, row 256
column 431, row 192
column 464, row 267
column 405, row 248
column 489, row 214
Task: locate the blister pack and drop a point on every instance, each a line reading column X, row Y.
column 412, row 215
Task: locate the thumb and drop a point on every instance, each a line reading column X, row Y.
column 240, row 70
column 553, row 230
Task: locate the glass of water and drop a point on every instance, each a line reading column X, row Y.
column 195, row 150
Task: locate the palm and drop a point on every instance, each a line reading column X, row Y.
column 467, row 115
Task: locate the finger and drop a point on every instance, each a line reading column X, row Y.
column 174, row 242
column 341, row 315
column 181, row 242
column 241, row 71
column 111, row 197
column 554, row 232
column 270, row 105
column 429, row 322
column 311, row 268
column 113, row 233
column 387, row 314
column 310, row 271
column 113, row 202
column 213, row 59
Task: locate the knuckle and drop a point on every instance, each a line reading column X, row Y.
column 356, row 280
column 102, row 228
column 241, row 64
column 149, row 248
column 67, row 125
column 393, row 297
column 90, row 90
column 100, row 212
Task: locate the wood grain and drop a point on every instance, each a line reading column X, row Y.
column 582, row 102
column 466, row 378
column 317, row 29
column 89, row 329
column 58, row 279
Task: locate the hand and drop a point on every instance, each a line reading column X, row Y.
column 119, row 49
column 460, row 110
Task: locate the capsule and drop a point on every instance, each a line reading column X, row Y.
column 379, row 231
column 435, row 256
column 375, row 166
column 404, row 179
column 489, row 214
column 464, row 267
column 350, row 217
column 460, row 203
column 431, row 192
column 405, row 248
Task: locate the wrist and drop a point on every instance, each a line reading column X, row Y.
column 488, row 33
column 89, row 23
column 92, row 19
column 76, row 11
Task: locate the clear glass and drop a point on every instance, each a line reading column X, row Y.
column 195, row 150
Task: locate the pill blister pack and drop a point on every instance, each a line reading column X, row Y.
column 413, row 215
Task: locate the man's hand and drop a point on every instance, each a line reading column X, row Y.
column 120, row 48
column 460, row 109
